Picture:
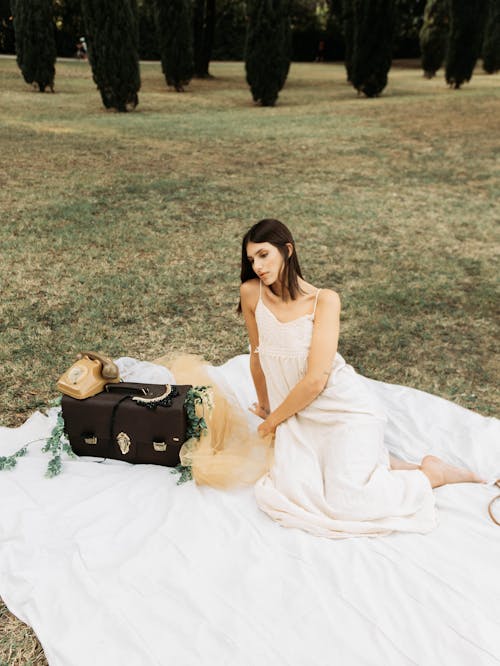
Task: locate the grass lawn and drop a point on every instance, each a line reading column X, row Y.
column 121, row 232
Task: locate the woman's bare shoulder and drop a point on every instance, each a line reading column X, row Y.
column 249, row 292
column 329, row 298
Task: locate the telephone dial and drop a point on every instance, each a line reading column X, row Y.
column 88, row 375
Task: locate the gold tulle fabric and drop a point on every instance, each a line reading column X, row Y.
column 230, row 454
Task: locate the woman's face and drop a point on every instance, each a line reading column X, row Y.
column 266, row 261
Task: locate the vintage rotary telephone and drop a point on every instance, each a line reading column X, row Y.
column 88, row 375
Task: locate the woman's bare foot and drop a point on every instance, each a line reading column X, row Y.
column 440, row 473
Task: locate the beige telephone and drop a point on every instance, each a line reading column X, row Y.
column 88, row 375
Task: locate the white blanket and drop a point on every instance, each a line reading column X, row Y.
column 115, row 564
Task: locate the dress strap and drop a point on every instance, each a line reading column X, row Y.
column 256, row 350
column 316, row 302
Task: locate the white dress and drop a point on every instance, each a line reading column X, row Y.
column 331, row 474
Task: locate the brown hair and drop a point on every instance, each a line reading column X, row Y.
column 279, row 235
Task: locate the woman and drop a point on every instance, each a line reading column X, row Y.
column 332, row 474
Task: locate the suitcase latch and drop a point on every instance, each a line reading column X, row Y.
column 160, row 446
column 123, row 442
column 90, row 440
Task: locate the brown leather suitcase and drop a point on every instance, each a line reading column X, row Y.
column 139, row 423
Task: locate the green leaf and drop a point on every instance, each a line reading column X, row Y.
column 9, row 462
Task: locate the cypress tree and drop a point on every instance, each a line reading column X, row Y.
column 267, row 49
column 35, row 41
column 348, row 34
column 204, row 16
column 173, row 23
column 286, row 53
column 433, row 36
column 491, row 40
column 111, row 28
column 464, row 39
column 373, row 35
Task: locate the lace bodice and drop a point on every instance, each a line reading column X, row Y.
column 284, row 350
column 277, row 338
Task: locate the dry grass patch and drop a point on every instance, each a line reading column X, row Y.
column 18, row 644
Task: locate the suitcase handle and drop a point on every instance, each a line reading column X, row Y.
column 128, row 387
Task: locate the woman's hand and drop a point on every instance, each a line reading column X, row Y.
column 268, row 427
column 259, row 410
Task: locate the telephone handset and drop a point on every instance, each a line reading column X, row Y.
column 88, row 375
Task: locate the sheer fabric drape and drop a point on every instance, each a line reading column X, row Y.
column 230, row 454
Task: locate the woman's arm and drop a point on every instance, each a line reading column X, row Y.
column 249, row 294
column 319, row 362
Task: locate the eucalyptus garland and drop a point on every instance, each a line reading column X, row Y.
column 8, row 462
column 186, row 473
column 54, row 445
column 197, row 396
column 57, row 443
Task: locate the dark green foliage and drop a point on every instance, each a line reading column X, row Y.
column 148, row 42
column 56, row 445
column 112, row 36
column 334, row 37
column 409, row 19
column 197, row 398
column 407, row 23
column 198, row 402
column 434, row 35
column 286, row 55
column 35, row 42
column 491, row 41
column 185, row 472
column 203, row 35
column 6, row 28
column 268, row 49
column 69, row 26
column 307, row 30
column 173, row 24
column 464, row 39
column 373, row 35
column 9, row 462
column 230, row 29
column 348, row 32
